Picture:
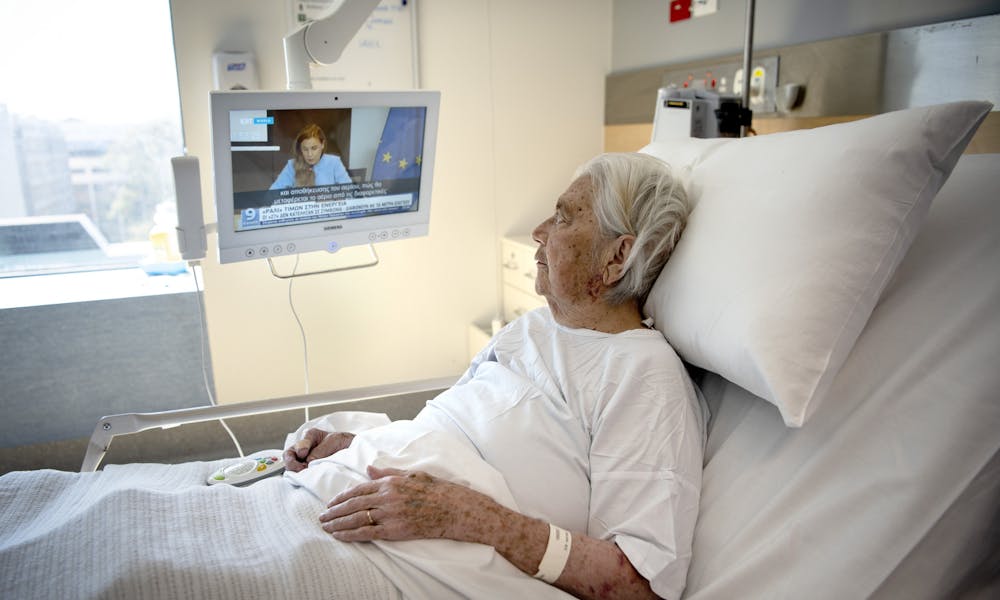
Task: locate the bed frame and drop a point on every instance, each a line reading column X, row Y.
column 128, row 423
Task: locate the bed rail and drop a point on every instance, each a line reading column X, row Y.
column 110, row 426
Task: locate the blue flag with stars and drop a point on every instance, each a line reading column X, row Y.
column 400, row 147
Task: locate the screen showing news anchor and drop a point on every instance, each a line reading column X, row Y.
column 310, row 165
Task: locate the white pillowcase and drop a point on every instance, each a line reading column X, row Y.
column 792, row 240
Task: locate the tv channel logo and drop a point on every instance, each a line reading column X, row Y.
column 249, row 217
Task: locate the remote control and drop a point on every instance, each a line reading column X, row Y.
column 250, row 468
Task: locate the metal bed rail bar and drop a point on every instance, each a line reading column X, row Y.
column 123, row 424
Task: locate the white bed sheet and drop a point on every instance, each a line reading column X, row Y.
column 892, row 489
column 157, row 531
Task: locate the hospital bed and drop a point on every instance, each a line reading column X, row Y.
column 883, row 483
column 891, row 486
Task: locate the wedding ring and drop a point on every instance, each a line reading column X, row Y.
column 371, row 521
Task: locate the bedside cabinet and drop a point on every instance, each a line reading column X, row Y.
column 517, row 262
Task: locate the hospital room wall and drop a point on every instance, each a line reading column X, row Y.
column 642, row 37
column 522, row 105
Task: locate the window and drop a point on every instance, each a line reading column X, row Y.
column 89, row 118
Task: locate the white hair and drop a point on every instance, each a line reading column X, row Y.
column 640, row 195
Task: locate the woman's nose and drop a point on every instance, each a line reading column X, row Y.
column 540, row 233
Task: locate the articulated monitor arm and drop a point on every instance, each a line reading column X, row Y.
column 322, row 41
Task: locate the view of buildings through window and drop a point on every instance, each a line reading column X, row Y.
column 87, row 130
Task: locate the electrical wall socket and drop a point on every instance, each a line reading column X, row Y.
column 722, row 78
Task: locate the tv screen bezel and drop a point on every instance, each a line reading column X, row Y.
column 234, row 245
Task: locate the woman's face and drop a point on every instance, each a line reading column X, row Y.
column 569, row 250
column 312, row 150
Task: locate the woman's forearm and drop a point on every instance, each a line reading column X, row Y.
column 595, row 568
column 406, row 505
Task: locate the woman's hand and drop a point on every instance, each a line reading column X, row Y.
column 402, row 505
column 317, row 443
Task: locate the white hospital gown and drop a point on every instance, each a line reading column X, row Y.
column 594, row 432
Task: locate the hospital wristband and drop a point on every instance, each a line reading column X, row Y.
column 556, row 554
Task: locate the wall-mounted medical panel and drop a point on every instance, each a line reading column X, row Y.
column 856, row 75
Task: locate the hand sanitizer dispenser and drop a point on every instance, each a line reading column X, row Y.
column 234, row 71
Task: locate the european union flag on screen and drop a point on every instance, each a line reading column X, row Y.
column 400, row 148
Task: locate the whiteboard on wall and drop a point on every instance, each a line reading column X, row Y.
column 383, row 54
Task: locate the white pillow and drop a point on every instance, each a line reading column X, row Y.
column 792, row 240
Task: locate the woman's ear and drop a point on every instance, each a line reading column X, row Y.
column 621, row 248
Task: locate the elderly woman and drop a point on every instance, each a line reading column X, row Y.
column 585, row 410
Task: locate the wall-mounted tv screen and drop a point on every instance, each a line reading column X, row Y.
column 301, row 171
